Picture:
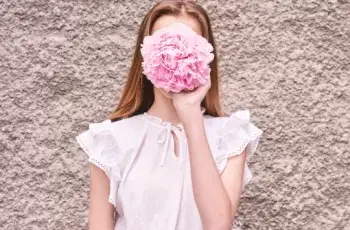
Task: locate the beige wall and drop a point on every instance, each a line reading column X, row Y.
column 63, row 64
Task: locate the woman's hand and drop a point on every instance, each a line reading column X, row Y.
column 188, row 104
column 210, row 194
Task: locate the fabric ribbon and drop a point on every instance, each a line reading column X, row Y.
column 164, row 138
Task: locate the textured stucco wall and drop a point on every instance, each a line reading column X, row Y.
column 63, row 64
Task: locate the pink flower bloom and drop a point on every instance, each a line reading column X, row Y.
column 176, row 58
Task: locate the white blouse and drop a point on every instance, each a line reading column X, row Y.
column 150, row 186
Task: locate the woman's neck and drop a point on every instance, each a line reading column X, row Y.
column 163, row 108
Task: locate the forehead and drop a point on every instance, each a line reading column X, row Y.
column 166, row 20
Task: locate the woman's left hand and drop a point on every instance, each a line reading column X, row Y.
column 189, row 103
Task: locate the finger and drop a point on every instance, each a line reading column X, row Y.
column 202, row 89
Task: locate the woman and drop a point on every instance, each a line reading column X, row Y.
column 168, row 160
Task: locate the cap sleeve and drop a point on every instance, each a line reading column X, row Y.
column 236, row 134
column 100, row 145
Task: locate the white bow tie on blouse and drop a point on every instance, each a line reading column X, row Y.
column 165, row 136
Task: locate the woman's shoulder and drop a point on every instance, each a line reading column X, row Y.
column 239, row 122
column 126, row 123
column 106, row 144
column 238, row 117
column 120, row 134
column 123, row 128
column 129, row 123
column 230, row 135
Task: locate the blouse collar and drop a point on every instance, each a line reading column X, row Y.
column 160, row 122
column 164, row 136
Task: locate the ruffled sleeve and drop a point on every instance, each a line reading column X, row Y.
column 235, row 134
column 100, row 145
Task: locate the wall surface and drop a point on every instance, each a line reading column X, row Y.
column 63, row 64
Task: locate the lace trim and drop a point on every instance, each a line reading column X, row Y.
column 254, row 144
column 96, row 162
column 248, row 142
column 253, row 138
column 237, row 152
column 92, row 159
column 105, row 169
column 100, row 165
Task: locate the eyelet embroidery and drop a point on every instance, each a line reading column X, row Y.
column 102, row 166
column 224, row 151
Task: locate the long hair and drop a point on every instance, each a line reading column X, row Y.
column 138, row 94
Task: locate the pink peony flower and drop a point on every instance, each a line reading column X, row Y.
column 176, row 58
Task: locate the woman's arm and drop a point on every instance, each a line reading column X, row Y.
column 101, row 212
column 216, row 196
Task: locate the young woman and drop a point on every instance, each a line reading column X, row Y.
column 168, row 160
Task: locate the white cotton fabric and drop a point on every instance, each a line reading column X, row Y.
column 149, row 186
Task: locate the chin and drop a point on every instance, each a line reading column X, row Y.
column 162, row 92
